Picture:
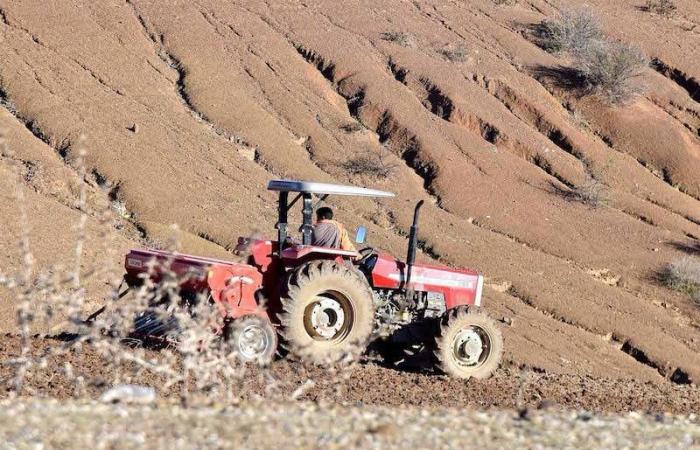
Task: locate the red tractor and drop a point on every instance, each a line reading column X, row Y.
column 329, row 304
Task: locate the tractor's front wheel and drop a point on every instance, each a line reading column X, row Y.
column 328, row 313
column 469, row 344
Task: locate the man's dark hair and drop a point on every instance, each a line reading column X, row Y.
column 324, row 213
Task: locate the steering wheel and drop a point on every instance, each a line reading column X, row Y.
column 366, row 253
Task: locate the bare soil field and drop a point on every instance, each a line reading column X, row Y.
column 186, row 109
column 369, row 383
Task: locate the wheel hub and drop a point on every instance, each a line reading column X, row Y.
column 327, row 317
column 253, row 342
column 469, row 346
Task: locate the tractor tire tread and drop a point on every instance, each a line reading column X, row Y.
column 304, row 282
column 453, row 321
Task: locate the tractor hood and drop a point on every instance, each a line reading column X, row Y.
column 458, row 286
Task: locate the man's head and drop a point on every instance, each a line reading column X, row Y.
column 324, row 213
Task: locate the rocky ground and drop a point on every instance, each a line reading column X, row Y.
column 39, row 424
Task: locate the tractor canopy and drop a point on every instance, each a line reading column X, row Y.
column 323, row 189
column 305, row 191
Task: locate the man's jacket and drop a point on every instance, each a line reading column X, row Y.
column 329, row 233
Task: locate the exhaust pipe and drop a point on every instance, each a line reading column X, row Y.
column 412, row 244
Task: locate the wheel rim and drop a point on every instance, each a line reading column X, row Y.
column 252, row 342
column 471, row 346
column 329, row 317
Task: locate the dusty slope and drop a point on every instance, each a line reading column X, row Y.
column 189, row 107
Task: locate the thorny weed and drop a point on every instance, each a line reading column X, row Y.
column 190, row 358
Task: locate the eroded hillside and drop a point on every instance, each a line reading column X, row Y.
column 188, row 108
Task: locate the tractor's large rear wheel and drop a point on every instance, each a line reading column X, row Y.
column 469, row 344
column 328, row 313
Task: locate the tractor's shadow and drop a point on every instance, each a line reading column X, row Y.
column 417, row 358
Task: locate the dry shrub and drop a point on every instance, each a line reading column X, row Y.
column 683, row 275
column 398, row 37
column 454, row 53
column 610, row 70
column 573, row 31
column 373, row 164
column 661, row 7
column 602, row 67
column 593, row 193
column 352, row 127
column 192, row 358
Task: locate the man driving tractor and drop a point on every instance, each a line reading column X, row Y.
column 330, row 233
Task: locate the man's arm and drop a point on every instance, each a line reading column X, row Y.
column 345, row 241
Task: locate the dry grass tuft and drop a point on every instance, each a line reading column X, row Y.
column 454, row 53
column 352, row 127
column 661, row 7
column 683, row 275
column 372, row 164
column 398, row 37
column 593, row 193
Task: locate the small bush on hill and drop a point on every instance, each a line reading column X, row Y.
column 369, row 163
column 661, row 7
column 455, row 53
column 610, row 70
column 683, row 275
column 600, row 66
column 592, row 193
column 573, row 31
column 352, row 127
column 398, row 37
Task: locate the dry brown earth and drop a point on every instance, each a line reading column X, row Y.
column 188, row 108
column 368, row 383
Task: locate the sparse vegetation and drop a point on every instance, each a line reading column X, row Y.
column 505, row 2
column 352, row 127
column 373, row 164
column 578, row 117
column 661, row 7
column 593, row 193
column 193, row 360
column 454, row 53
column 398, row 37
column 683, row 275
column 611, row 69
column 601, row 66
column 574, row 31
column 120, row 209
